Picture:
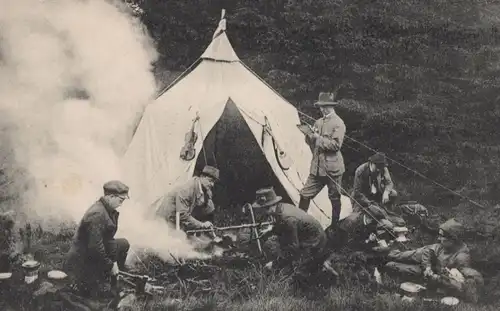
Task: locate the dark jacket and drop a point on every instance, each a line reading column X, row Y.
column 362, row 186
column 327, row 158
column 298, row 232
column 186, row 199
column 93, row 241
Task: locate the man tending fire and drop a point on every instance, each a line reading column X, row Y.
column 96, row 257
column 190, row 205
column 301, row 237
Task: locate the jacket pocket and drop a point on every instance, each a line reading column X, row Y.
column 334, row 162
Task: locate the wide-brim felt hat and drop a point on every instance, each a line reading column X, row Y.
column 266, row 197
column 378, row 159
column 326, row 99
column 211, row 171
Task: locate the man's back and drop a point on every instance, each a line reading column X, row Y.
column 185, row 192
column 291, row 218
column 91, row 241
column 96, row 220
column 184, row 199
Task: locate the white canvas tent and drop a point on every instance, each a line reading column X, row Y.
column 233, row 105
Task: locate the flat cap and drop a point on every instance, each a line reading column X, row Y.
column 116, row 187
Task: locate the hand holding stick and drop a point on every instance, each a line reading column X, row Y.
column 243, row 226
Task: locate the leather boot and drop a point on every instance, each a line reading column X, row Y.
column 304, row 204
column 336, row 208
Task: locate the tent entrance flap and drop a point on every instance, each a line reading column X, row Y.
column 231, row 146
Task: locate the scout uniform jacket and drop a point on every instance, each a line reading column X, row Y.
column 297, row 231
column 327, row 158
column 185, row 199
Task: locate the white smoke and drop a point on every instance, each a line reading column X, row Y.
column 70, row 146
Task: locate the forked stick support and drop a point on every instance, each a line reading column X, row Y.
column 255, row 228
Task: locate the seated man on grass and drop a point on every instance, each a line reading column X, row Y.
column 372, row 192
column 445, row 265
column 374, row 188
column 373, row 183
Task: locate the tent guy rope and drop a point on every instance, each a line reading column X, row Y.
column 365, row 210
column 347, row 194
column 407, row 168
column 339, row 186
column 370, row 148
column 293, row 164
column 180, row 77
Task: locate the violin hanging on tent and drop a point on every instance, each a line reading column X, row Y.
column 188, row 151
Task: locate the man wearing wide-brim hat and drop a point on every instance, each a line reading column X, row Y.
column 189, row 205
column 95, row 256
column 373, row 183
column 327, row 166
column 301, row 237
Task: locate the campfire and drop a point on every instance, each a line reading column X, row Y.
column 224, row 256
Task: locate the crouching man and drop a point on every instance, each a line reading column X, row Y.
column 445, row 265
column 301, row 238
column 95, row 256
column 373, row 183
column 190, row 205
column 373, row 191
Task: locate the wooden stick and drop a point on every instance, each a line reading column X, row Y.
column 175, row 259
column 178, row 221
column 231, row 227
column 255, row 229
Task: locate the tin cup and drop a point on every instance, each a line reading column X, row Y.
column 31, row 269
column 5, row 278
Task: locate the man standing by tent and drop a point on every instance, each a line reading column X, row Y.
column 96, row 257
column 187, row 204
column 327, row 166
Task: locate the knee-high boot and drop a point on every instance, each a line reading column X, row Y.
column 336, row 208
column 304, row 203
